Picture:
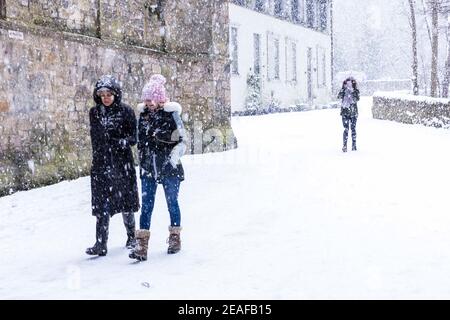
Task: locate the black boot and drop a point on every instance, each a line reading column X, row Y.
column 353, row 145
column 101, row 233
column 344, row 140
column 130, row 226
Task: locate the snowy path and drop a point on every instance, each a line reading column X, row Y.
column 285, row 216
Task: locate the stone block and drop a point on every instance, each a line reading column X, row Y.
column 4, row 106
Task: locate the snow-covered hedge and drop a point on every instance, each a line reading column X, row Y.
column 293, row 108
column 410, row 109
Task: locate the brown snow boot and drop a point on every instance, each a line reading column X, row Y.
column 174, row 240
column 141, row 249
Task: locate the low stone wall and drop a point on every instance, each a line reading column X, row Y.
column 411, row 109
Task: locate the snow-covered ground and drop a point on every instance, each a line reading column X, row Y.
column 287, row 215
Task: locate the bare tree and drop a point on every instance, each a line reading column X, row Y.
column 332, row 45
column 434, row 46
column 425, row 12
column 446, row 80
column 2, row 9
column 412, row 21
column 424, row 74
column 445, row 6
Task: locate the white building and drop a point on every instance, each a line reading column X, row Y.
column 288, row 44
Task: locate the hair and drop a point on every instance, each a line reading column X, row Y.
column 353, row 80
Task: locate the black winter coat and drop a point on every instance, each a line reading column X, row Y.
column 352, row 111
column 160, row 139
column 113, row 173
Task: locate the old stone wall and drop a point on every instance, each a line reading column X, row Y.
column 74, row 16
column 52, row 52
column 411, row 109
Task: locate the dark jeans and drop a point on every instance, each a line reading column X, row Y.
column 171, row 187
column 349, row 122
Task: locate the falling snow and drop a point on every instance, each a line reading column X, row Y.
column 272, row 208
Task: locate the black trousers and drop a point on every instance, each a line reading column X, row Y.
column 102, row 226
column 349, row 122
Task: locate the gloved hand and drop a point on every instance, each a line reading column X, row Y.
column 169, row 162
column 119, row 142
column 123, row 143
column 173, row 162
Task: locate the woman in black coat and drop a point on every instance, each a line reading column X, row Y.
column 113, row 175
column 349, row 95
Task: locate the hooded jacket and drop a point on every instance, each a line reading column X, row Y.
column 113, row 133
column 161, row 142
column 349, row 99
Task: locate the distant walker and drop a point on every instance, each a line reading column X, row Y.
column 349, row 95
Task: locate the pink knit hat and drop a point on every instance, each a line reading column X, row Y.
column 154, row 89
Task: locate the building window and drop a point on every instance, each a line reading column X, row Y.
column 278, row 8
column 301, row 11
column 294, row 11
column 310, row 14
column 323, row 15
column 324, row 69
column 321, row 67
column 2, row 9
column 259, row 5
column 257, row 53
column 234, row 51
column 239, row 2
column 276, row 45
column 273, row 57
column 294, row 62
column 291, row 61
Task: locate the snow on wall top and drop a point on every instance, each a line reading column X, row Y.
column 410, row 97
